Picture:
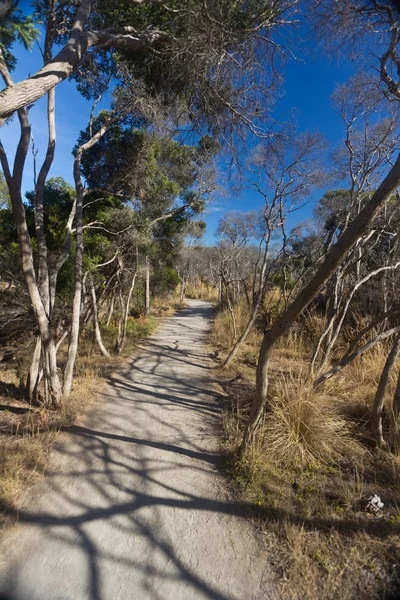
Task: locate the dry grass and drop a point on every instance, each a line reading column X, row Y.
column 304, row 425
column 166, row 307
column 202, row 292
column 27, row 433
column 312, row 468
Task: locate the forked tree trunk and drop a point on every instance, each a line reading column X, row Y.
column 331, row 262
column 348, row 358
column 379, row 400
column 14, row 181
column 14, row 185
column 340, row 318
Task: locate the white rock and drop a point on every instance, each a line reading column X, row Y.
column 374, row 504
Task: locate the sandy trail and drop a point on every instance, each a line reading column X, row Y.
column 133, row 506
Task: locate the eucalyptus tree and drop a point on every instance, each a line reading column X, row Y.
column 190, row 44
column 333, row 258
column 191, row 56
column 234, row 233
column 368, row 156
column 283, row 172
column 368, row 30
column 156, row 181
column 371, row 140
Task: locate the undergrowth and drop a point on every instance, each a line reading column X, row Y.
column 311, row 469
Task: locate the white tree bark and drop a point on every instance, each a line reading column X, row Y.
column 147, row 300
column 77, row 301
column 96, row 326
column 67, row 60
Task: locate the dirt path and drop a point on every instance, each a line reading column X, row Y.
column 133, row 506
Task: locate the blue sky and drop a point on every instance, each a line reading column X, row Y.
column 308, row 84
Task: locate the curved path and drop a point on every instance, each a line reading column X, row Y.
column 133, row 506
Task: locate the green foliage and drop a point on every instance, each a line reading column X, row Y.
column 164, row 280
column 333, row 208
column 16, row 27
column 281, row 280
column 141, row 327
column 139, row 165
column 150, row 177
column 58, row 200
column 136, row 328
column 8, row 230
column 190, row 66
column 5, row 200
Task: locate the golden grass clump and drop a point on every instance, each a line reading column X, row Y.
column 303, row 425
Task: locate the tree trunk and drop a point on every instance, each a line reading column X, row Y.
column 348, row 358
column 379, row 401
column 40, row 304
column 121, row 345
column 96, row 327
column 62, row 66
column 147, row 299
column 182, row 292
column 33, row 377
column 246, row 293
column 111, row 310
column 43, row 270
column 242, row 338
column 326, row 335
column 331, row 262
column 77, row 302
column 28, row 268
column 396, row 415
column 232, row 314
column 76, row 305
